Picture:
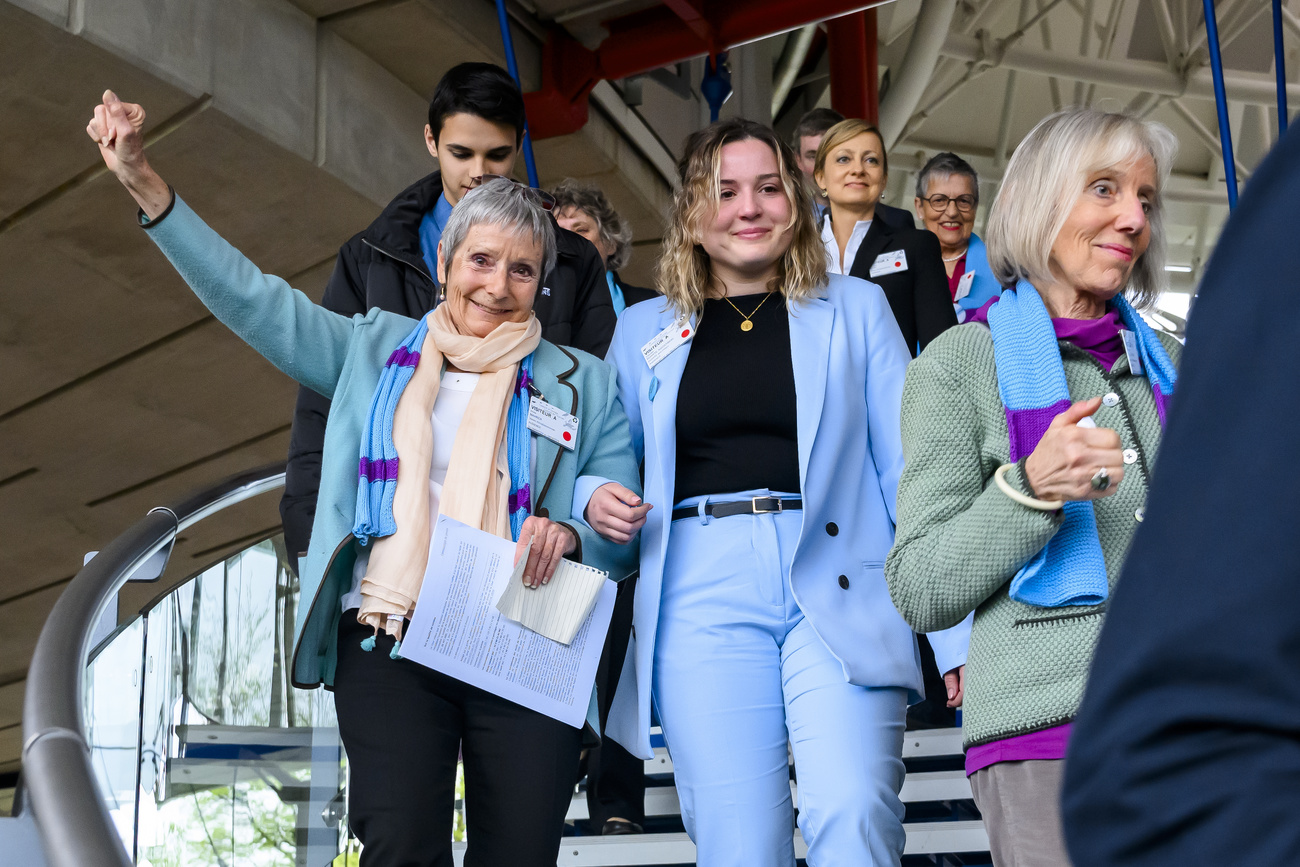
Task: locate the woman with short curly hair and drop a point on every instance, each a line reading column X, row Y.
column 764, row 398
column 583, row 209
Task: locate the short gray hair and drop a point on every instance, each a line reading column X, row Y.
column 1046, row 176
column 510, row 207
column 945, row 165
column 614, row 230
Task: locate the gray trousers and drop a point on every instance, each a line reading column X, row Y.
column 1021, row 806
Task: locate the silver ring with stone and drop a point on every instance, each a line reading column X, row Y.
column 1101, row 479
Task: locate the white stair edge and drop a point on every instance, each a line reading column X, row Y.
column 920, row 744
column 917, row 788
column 928, row 838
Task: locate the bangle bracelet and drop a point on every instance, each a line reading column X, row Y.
column 1005, row 486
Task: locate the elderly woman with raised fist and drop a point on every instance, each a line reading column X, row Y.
column 434, row 414
column 1029, row 442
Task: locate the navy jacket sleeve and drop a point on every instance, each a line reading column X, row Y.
column 344, row 293
column 1187, row 747
column 593, row 311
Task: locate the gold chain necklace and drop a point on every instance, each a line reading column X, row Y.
column 745, row 324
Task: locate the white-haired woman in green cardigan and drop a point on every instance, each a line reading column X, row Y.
column 1029, row 439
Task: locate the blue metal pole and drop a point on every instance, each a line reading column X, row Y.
column 1221, row 102
column 511, row 65
column 1279, row 60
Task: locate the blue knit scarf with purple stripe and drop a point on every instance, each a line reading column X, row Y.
column 379, row 459
column 1070, row 568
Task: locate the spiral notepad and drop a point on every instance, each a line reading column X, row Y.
column 556, row 609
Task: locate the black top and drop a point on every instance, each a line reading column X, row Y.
column 736, row 423
column 919, row 295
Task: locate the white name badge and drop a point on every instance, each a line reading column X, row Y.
column 889, row 263
column 1131, row 350
column 662, row 344
column 553, row 423
column 964, row 284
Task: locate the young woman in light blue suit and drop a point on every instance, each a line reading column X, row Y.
column 769, row 425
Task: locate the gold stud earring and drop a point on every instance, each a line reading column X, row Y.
column 823, row 194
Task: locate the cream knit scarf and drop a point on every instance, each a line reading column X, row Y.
column 478, row 480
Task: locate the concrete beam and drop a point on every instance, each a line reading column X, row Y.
column 1130, row 74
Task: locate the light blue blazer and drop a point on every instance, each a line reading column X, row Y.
column 849, row 359
column 983, row 285
column 342, row 357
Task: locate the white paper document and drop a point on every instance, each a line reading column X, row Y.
column 558, row 608
column 457, row 629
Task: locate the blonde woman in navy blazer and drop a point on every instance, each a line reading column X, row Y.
column 762, row 615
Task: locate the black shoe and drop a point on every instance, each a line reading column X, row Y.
column 618, row 826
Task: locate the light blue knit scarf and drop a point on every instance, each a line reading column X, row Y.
column 1070, row 568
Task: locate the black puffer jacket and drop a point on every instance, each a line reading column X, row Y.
column 383, row 267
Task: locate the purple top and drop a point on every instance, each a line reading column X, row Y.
column 1042, row 744
column 1099, row 337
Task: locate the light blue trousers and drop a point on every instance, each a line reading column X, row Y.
column 738, row 673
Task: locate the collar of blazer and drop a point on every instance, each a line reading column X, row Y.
column 879, row 236
column 563, row 379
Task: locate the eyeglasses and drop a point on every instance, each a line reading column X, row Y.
column 939, row 203
column 540, row 198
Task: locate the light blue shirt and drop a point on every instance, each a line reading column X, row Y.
column 615, row 294
column 431, row 226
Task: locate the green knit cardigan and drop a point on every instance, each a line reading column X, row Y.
column 960, row 540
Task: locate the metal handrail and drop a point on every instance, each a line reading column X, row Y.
column 76, row 829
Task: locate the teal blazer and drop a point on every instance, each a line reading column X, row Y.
column 342, row 358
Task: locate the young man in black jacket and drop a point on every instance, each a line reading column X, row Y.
column 476, row 124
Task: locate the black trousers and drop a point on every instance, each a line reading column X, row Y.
column 615, row 777
column 403, row 725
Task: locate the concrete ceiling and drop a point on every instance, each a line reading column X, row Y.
column 288, row 125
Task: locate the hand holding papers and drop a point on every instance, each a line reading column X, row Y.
column 457, row 629
column 556, row 609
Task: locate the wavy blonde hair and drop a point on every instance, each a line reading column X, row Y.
column 684, row 275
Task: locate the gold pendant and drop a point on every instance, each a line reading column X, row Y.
column 746, row 326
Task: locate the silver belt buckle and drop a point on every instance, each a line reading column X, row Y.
column 753, row 502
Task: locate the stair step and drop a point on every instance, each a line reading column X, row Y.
column 925, row 838
column 917, row 788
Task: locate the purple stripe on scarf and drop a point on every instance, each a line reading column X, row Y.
column 521, row 385
column 378, row 471
column 520, row 499
column 403, row 357
column 1161, row 402
column 1025, row 427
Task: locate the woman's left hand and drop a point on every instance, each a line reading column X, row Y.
column 955, row 681
column 551, row 541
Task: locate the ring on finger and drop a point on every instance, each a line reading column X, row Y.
column 1101, row 479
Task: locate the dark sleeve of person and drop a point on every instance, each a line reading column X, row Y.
column 593, row 311
column 1186, row 750
column 896, row 218
column 344, row 293
column 930, row 295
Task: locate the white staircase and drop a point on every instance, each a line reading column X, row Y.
column 945, row 830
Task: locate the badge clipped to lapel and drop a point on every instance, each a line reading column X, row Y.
column 552, row 422
column 889, row 263
column 666, row 342
column 964, row 284
column 1131, row 350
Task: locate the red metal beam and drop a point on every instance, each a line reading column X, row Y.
column 855, row 90
column 657, row 37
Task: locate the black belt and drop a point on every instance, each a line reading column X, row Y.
column 752, row 506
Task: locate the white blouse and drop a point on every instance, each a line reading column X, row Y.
column 833, row 264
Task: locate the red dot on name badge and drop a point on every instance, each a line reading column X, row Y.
column 567, row 436
column 686, row 333
column 898, row 264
